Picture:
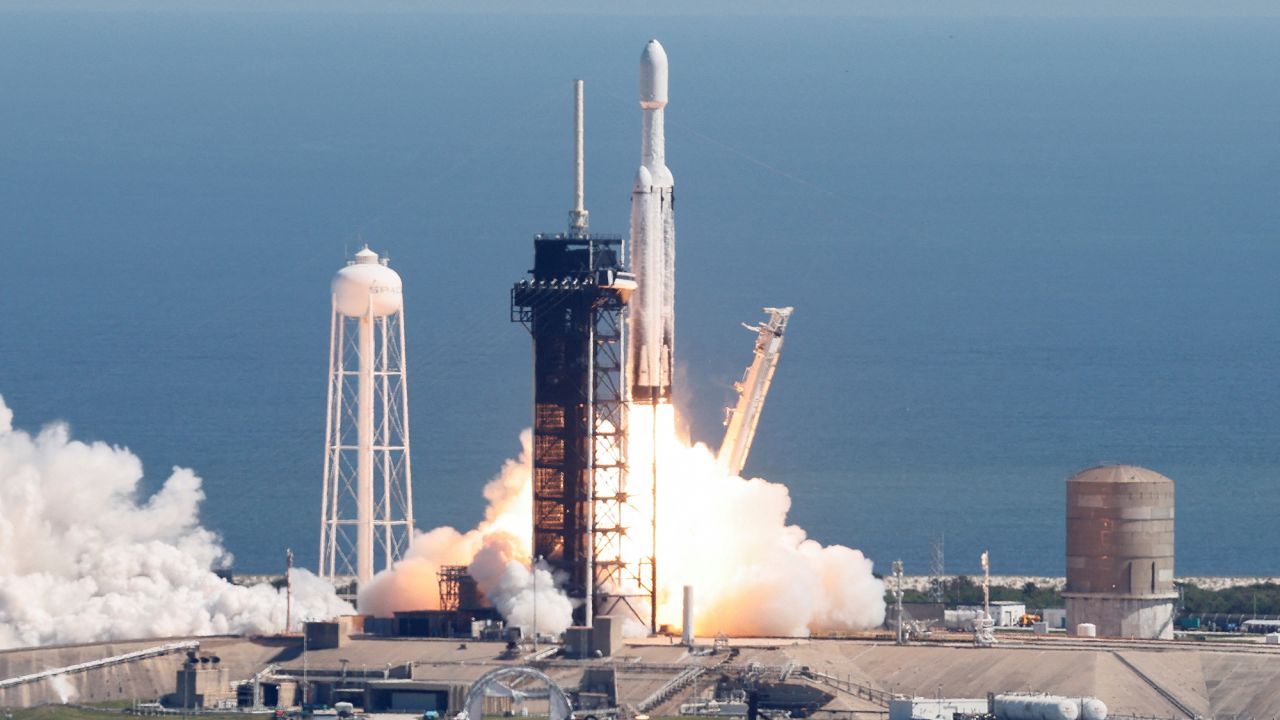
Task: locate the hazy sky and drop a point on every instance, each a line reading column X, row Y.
column 898, row 8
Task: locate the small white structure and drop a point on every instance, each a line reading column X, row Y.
column 1004, row 613
column 686, row 626
column 367, row 509
column 1086, row 630
column 918, row 708
column 1056, row 617
column 1260, row 626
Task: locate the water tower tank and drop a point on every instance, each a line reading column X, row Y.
column 367, row 281
column 1120, row 551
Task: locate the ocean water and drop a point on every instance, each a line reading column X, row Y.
column 1017, row 247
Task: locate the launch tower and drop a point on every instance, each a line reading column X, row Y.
column 573, row 308
column 366, row 516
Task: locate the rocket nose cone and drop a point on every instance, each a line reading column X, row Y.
column 653, row 76
column 653, row 52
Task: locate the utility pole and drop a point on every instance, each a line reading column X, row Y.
column 938, row 568
column 535, row 603
column 897, row 594
column 306, row 684
column 986, row 585
column 288, row 590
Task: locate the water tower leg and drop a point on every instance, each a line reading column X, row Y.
column 364, row 456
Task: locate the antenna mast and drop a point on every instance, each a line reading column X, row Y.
column 578, row 215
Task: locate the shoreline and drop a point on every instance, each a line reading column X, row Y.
column 1206, row 582
column 921, row 583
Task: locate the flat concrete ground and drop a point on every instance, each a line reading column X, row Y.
column 1135, row 678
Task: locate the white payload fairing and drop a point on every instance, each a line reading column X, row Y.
column 653, row 243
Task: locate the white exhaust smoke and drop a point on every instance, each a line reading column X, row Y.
column 63, row 688
column 754, row 574
column 84, row 559
column 497, row 553
column 728, row 537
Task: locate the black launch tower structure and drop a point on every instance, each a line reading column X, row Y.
column 573, row 308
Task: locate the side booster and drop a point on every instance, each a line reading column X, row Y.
column 653, row 243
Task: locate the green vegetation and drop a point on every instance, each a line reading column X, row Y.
column 1261, row 599
column 58, row 712
column 964, row 591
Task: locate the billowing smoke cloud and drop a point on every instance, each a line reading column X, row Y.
column 496, row 552
column 83, row 558
column 521, row 596
column 728, row 537
column 753, row 573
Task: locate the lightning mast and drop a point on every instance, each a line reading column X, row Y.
column 984, row 630
column 741, row 420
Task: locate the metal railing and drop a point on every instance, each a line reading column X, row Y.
column 866, row 692
column 673, row 686
column 128, row 657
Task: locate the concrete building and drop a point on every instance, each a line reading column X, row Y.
column 606, row 635
column 420, row 696
column 1120, row 552
column 203, row 685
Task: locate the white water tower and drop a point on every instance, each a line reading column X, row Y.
column 366, row 520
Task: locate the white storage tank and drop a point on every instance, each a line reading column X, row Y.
column 1093, row 709
column 1086, row 630
column 1035, row 707
column 961, row 619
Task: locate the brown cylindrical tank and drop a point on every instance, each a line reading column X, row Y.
column 1120, row 532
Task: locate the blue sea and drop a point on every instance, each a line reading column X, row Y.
column 1017, row 247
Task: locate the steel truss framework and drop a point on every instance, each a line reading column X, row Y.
column 451, row 578
column 573, row 308
column 392, row 476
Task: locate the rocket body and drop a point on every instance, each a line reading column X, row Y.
column 653, row 235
